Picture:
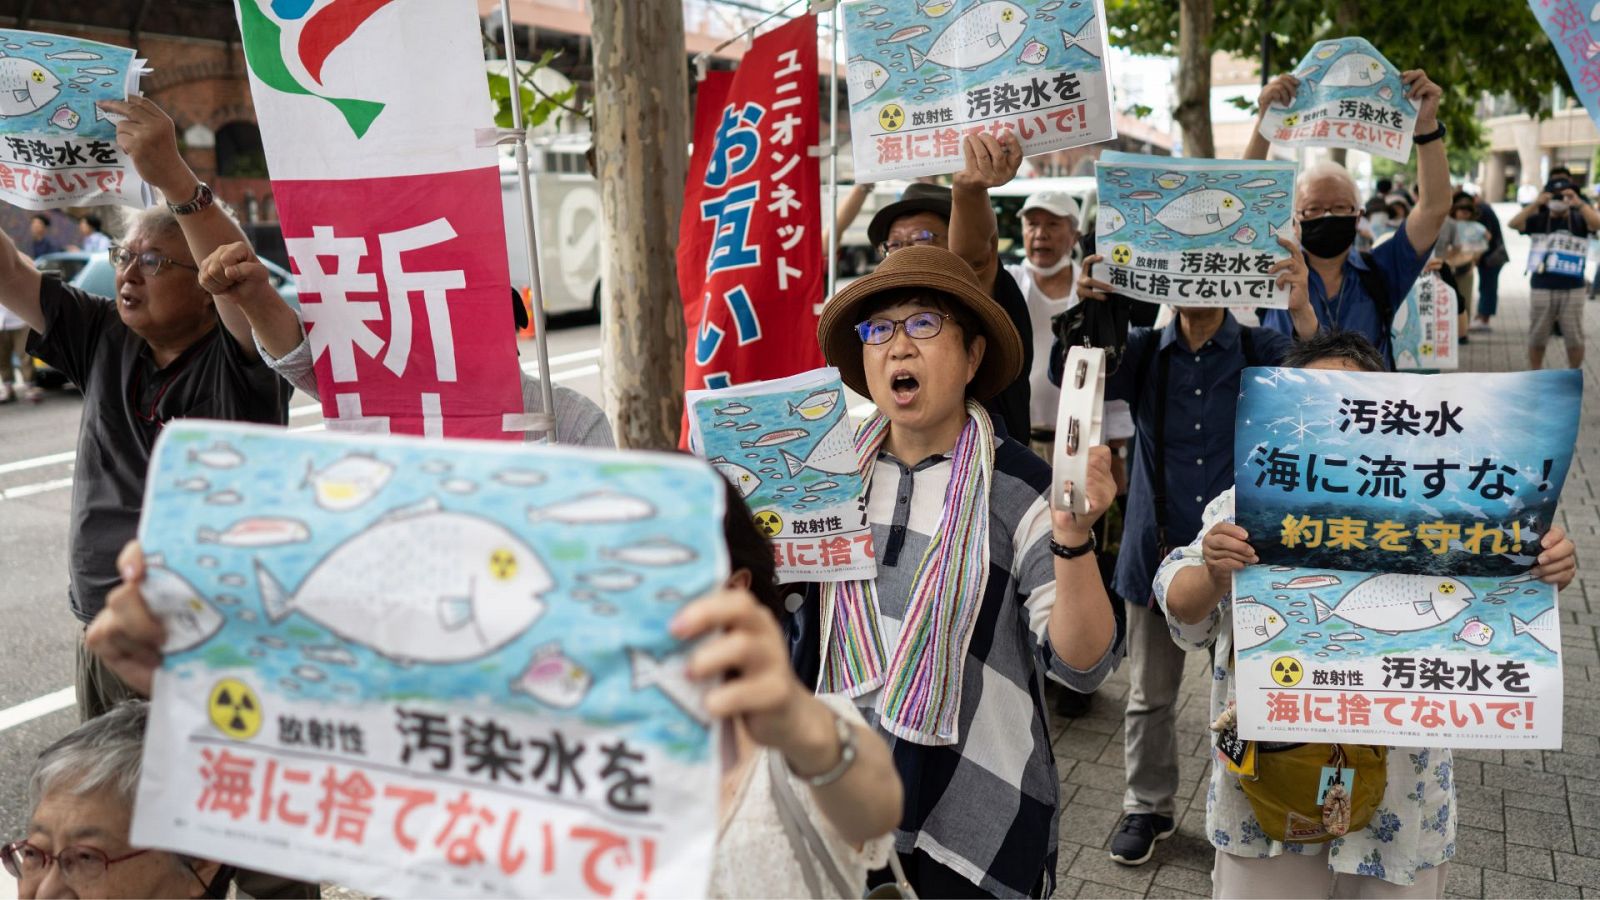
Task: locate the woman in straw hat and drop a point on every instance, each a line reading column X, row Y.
column 981, row 588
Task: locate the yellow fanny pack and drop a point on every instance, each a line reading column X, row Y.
column 1311, row 793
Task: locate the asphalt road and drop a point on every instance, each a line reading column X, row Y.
column 38, row 633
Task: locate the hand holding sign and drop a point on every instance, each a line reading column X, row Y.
column 1426, row 95
column 147, row 135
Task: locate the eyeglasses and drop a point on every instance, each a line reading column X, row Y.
column 150, row 262
column 80, row 866
column 917, row 239
column 920, row 326
column 1317, row 212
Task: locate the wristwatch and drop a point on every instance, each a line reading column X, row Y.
column 847, row 755
column 1430, row 137
column 203, row 197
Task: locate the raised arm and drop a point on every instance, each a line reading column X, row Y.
column 1082, row 625
column 1280, row 90
column 147, row 135
column 19, row 285
column 974, row 233
column 1433, row 169
column 237, row 279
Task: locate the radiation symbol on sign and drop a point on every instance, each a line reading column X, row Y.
column 891, row 117
column 1121, row 254
column 1427, row 349
column 37, row 76
column 1286, row 671
column 770, row 523
column 503, row 565
column 1291, row 119
column 1446, row 587
column 234, row 709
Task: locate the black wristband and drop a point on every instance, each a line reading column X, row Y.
column 1073, row 552
column 1430, row 137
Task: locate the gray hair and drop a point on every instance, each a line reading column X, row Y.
column 105, row 752
column 160, row 219
column 1329, row 169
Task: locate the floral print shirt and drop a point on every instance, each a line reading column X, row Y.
column 1414, row 827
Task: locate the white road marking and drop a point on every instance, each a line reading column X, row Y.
column 38, row 462
column 37, row 707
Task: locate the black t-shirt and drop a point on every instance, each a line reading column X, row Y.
column 126, row 400
column 1011, row 408
column 1542, row 222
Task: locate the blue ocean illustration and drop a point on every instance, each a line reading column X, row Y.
column 49, row 84
column 1171, row 205
column 1348, row 68
column 350, row 570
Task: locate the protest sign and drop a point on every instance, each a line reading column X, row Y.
column 1573, row 30
column 57, row 149
column 789, row 447
column 751, row 266
column 1558, row 253
column 382, row 193
column 924, row 74
column 1423, row 333
column 1349, row 96
column 427, row 669
column 1396, row 517
column 1193, row 232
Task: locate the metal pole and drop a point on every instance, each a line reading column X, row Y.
column 832, row 211
column 529, row 226
column 1266, row 42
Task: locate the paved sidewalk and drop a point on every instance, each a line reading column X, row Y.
column 1529, row 820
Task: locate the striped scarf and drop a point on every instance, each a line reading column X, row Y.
column 921, row 697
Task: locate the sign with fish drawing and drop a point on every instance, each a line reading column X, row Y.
column 1349, row 96
column 924, row 74
column 1423, row 333
column 1573, row 30
column 1193, row 232
column 789, row 446
column 57, row 149
column 1396, row 518
column 429, row 669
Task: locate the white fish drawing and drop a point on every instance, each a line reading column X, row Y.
column 727, row 423
column 264, row 531
column 232, row 579
column 349, row 482
column 653, row 552
column 1305, row 582
column 1171, row 180
column 98, row 70
column 1348, row 637
column 220, row 456
column 1033, row 52
column 742, row 478
column 194, row 484
column 1256, row 183
column 811, row 499
column 1543, row 628
column 458, row 486
column 748, row 426
column 1255, row 623
column 1086, row 39
column 189, row 619
column 464, row 587
column 436, row 467
column 733, row 409
column 1395, row 603
column 309, row 673
column 981, row 35
column 937, row 79
column 207, row 562
column 1273, row 195
column 75, row 56
column 874, row 10
column 788, row 489
column 1200, row 211
column 935, row 9
column 1110, row 221
column 815, row 406
column 225, row 498
column 64, row 118
column 25, row 86
column 329, row 654
column 865, row 77
column 519, row 477
column 1476, row 632
column 835, row 454
column 553, row 678
column 823, row 486
column 1052, row 6
column 602, row 507
column 612, row 579
column 669, row 675
column 773, row 438
column 1353, row 70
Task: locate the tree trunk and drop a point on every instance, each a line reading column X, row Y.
column 641, row 143
column 1195, row 18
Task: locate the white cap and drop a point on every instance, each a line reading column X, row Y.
column 1058, row 203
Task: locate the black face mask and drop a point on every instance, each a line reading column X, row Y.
column 1328, row 236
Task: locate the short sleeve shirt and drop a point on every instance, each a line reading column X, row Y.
column 1542, row 222
column 127, row 399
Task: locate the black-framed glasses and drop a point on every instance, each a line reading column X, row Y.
column 150, row 262
column 920, row 326
column 915, row 239
column 1317, row 212
column 79, row 865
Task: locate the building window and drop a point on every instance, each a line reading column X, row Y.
column 239, row 151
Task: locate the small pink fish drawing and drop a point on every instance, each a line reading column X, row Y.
column 905, row 34
column 64, row 118
column 1386, row 92
column 775, row 437
column 1244, row 235
column 1033, row 53
column 1476, row 632
column 552, row 678
column 259, row 532
column 1305, row 582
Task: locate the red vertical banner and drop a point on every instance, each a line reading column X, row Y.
column 750, row 252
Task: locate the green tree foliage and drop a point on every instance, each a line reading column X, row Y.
column 1468, row 47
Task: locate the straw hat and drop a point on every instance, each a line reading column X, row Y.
column 922, row 267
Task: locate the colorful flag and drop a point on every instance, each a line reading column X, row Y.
column 750, row 256
column 368, row 112
column 1573, row 31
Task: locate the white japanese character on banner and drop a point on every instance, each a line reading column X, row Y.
column 794, row 234
column 432, row 286
column 786, row 272
column 784, row 199
column 335, row 325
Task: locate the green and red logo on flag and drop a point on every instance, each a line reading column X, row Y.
column 322, row 33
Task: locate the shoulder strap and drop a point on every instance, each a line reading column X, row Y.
column 810, row 851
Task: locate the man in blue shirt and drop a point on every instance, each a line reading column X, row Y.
column 1182, row 386
column 1359, row 292
column 1560, row 222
